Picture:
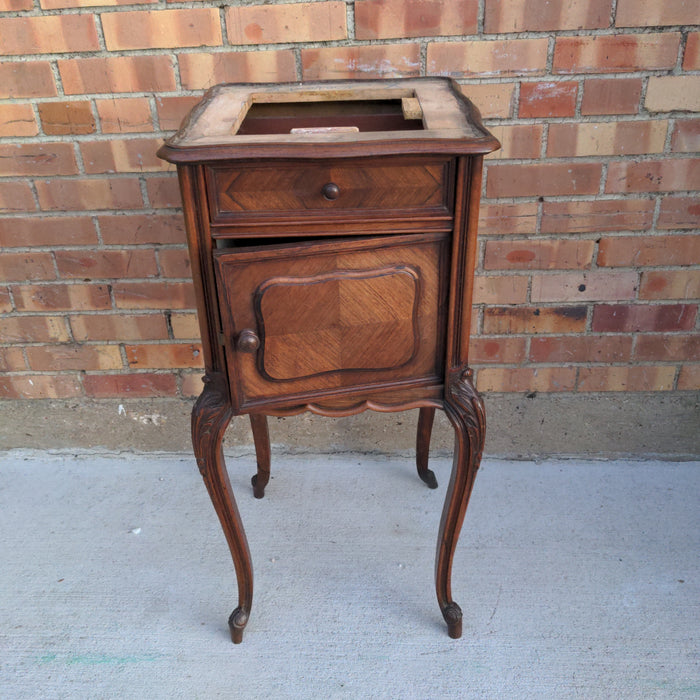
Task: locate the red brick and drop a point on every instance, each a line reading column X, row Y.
column 597, row 215
column 161, row 29
column 101, row 264
column 475, row 322
column 493, row 100
column 504, row 320
column 548, row 99
column 61, row 118
column 639, row 251
column 568, row 348
column 517, row 141
column 585, row 286
column 39, row 386
column 142, row 385
column 15, row 5
column 5, row 301
column 374, row 61
column 689, row 378
column 506, row 379
column 670, row 284
column 12, row 360
column 508, row 218
column 62, row 297
column 538, row 255
column 154, row 295
column 667, row 348
column 396, row 19
column 172, row 110
column 61, row 4
column 669, row 175
column 163, row 192
column 691, row 57
column 632, row 318
column 48, row 34
column 125, row 114
column 18, row 267
column 82, row 357
column 142, row 228
column 191, row 384
column 26, row 79
column 510, row 289
column 17, row 120
column 38, row 159
column 16, row 196
column 611, row 96
column 119, row 327
column 117, row 74
column 686, row 136
column 652, row 13
column 202, row 70
column 502, row 16
column 185, row 326
column 542, row 179
column 67, row 195
column 164, row 356
column 616, row 53
column 286, row 23
column 667, row 93
column 626, row 378
column 516, row 57
column 122, row 156
column 606, row 138
column 47, row 231
column 679, row 212
column 34, row 329
column 496, row 351
column 174, row 262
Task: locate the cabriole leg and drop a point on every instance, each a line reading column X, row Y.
column 465, row 409
column 210, row 417
column 261, row 438
column 426, row 417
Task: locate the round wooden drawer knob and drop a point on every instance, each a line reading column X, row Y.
column 330, row 191
column 248, row 341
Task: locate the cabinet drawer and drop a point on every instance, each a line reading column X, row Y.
column 302, row 190
column 328, row 317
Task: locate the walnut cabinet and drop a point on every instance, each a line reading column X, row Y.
column 332, row 234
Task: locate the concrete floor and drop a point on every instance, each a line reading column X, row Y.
column 577, row 579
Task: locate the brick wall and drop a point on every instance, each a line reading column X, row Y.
column 588, row 276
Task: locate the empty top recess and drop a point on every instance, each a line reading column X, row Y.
column 365, row 117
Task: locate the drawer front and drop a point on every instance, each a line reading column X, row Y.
column 302, row 190
column 320, row 318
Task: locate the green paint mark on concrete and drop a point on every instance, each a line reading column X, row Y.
column 98, row 659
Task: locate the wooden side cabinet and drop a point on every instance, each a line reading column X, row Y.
column 332, row 233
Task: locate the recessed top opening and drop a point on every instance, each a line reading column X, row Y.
column 363, row 115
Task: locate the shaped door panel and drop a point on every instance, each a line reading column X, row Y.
column 310, row 320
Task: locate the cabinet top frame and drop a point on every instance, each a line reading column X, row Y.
column 450, row 123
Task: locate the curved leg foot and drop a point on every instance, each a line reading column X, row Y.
column 261, row 438
column 465, row 409
column 426, row 416
column 453, row 617
column 210, row 417
column 236, row 624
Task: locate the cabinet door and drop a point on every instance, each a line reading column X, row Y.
column 301, row 321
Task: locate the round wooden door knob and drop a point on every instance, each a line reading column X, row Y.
column 330, row 191
column 248, row 341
